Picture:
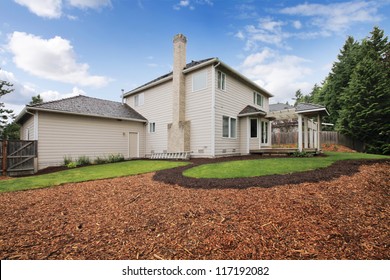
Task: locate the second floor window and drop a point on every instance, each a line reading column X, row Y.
column 258, row 99
column 221, row 80
column 139, row 99
column 199, row 80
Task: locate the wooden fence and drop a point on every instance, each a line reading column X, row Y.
column 17, row 157
column 327, row 137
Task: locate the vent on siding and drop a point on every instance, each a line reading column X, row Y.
column 234, row 150
column 201, row 151
column 165, row 151
column 152, row 151
column 224, row 151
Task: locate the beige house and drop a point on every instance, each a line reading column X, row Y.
column 204, row 108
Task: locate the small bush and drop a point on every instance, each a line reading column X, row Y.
column 100, row 160
column 67, row 160
column 302, row 154
column 83, row 160
column 115, row 158
column 71, row 164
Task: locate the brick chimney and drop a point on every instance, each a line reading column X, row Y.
column 179, row 129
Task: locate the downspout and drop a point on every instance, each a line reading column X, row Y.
column 213, row 109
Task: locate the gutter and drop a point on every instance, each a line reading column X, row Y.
column 86, row 115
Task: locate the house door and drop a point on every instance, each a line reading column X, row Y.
column 133, row 145
column 265, row 129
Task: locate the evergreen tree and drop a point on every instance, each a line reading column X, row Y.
column 5, row 114
column 337, row 81
column 365, row 113
column 36, row 100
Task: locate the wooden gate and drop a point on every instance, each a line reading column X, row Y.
column 17, row 157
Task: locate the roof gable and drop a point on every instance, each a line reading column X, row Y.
column 89, row 106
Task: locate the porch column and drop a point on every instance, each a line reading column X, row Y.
column 300, row 132
column 305, row 132
column 318, row 132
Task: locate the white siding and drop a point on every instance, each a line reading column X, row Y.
column 157, row 108
column 73, row 136
column 27, row 130
column 198, row 111
column 230, row 103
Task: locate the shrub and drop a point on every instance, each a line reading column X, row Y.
column 302, row 154
column 67, row 160
column 83, row 160
column 71, row 164
column 115, row 158
column 100, row 160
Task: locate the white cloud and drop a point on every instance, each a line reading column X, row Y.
column 191, row 4
column 53, row 8
column 23, row 93
column 240, row 35
column 297, row 24
column 280, row 74
column 52, row 59
column 337, row 17
column 182, row 4
column 43, row 8
column 51, row 95
column 89, row 4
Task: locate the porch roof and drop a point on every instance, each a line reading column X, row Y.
column 309, row 109
column 251, row 111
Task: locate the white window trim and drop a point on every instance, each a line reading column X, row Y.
column 139, row 99
column 229, row 128
column 152, row 127
column 257, row 128
column 256, row 96
column 219, row 85
column 203, row 72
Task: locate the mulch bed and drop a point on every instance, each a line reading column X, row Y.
column 175, row 176
column 138, row 217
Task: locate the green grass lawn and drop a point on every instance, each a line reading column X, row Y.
column 88, row 173
column 262, row 167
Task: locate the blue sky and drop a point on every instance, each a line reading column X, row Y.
column 60, row 48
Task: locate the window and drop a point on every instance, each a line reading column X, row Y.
column 152, row 127
column 253, row 128
column 258, row 99
column 199, row 81
column 264, row 134
column 139, row 99
column 221, row 80
column 229, row 126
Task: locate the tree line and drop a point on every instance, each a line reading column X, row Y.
column 357, row 91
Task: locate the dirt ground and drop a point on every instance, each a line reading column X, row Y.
column 338, row 216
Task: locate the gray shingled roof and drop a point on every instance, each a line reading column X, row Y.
column 311, row 108
column 250, row 110
column 188, row 66
column 279, row 107
column 85, row 105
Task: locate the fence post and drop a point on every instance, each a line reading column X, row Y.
column 4, row 157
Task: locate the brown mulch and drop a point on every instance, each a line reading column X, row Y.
column 139, row 218
column 175, row 176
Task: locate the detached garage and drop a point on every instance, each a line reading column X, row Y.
column 82, row 126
